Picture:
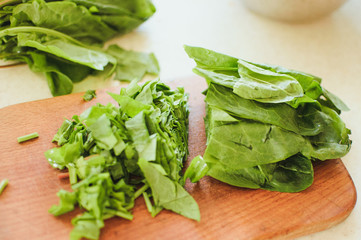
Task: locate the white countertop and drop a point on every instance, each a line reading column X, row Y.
column 329, row 48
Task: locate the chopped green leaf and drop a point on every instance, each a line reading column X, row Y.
column 133, row 65
column 114, row 154
column 168, row 193
column 66, row 204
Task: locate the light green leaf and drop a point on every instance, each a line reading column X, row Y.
column 67, row 200
column 168, row 193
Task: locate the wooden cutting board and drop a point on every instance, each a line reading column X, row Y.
column 226, row 212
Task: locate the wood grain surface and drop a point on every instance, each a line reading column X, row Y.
column 226, row 212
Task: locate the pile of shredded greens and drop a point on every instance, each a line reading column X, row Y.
column 116, row 154
column 63, row 39
column 265, row 124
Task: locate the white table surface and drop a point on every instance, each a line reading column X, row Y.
column 329, row 48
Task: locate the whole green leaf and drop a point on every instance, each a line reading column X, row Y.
column 263, row 91
column 121, row 23
column 60, row 74
column 279, row 89
column 310, row 84
column 281, row 115
column 334, row 102
column 208, row 59
column 121, row 15
column 132, row 65
column 264, row 85
column 290, row 175
column 305, row 79
column 62, row 59
column 253, row 142
column 64, row 16
column 74, row 71
column 68, row 51
column 58, row 82
column 90, row 21
column 240, row 177
column 334, row 141
column 139, row 8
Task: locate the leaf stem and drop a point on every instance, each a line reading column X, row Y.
column 147, row 202
column 3, row 184
column 140, row 191
column 28, row 137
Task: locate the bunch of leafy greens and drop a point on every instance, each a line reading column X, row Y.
column 63, row 39
column 265, row 124
column 115, row 154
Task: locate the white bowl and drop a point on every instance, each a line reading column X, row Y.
column 294, row 10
